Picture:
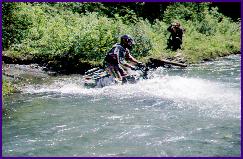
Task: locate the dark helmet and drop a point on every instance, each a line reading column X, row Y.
column 127, row 41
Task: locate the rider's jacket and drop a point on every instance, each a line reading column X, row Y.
column 116, row 55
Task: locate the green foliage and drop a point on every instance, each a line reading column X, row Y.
column 86, row 36
column 79, row 30
column 7, row 88
column 209, row 34
column 185, row 11
column 16, row 22
column 142, row 34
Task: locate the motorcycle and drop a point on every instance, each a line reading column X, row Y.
column 99, row 77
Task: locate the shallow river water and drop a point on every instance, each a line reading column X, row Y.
column 178, row 112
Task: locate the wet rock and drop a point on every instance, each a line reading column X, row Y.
column 19, row 73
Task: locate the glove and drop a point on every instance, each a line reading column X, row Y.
column 133, row 68
column 140, row 64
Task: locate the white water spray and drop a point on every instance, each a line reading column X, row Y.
column 187, row 92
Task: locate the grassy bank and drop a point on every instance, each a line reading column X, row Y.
column 7, row 88
column 52, row 34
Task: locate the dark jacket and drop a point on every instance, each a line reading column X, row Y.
column 117, row 55
column 176, row 32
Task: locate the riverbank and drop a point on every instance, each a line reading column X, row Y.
column 67, row 42
column 66, row 65
column 63, row 38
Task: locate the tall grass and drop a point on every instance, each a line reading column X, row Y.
column 52, row 32
column 7, row 88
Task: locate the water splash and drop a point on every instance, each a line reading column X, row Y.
column 168, row 87
column 187, row 92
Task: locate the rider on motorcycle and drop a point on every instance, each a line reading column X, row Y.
column 116, row 59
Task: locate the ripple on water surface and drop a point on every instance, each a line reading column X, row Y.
column 176, row 113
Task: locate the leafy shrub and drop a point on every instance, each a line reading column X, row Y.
column 16, row 22
column 7, row 88
column 51, row 30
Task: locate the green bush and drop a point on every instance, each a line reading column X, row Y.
column 7, row 88
column 50, row 30
column 16, row 22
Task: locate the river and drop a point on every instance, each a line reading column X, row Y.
column 177, row 112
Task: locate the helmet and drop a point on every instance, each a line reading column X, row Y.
column 127, row 41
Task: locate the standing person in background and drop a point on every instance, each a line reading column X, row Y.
column 175, row 40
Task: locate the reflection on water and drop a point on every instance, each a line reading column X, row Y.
column 189, row 112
